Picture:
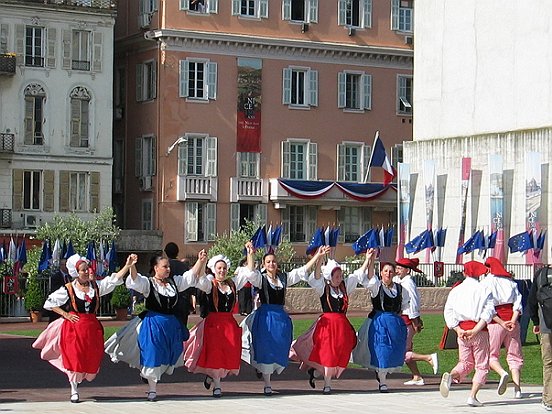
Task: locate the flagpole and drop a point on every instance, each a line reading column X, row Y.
column 371, row 155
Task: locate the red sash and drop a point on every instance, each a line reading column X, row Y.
column 406, row 319
column 467, row 325
column 505, row 311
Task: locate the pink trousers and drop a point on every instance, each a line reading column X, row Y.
column 473, row 353
column 512, row 343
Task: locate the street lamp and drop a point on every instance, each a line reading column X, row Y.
column 180, row 140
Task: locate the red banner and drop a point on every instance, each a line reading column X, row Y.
column 11, row 285
column 248, row 131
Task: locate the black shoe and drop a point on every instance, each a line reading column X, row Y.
column 207, row 382
column 327, row 390
column 217, row 393
column 144, row 380
column 259, row 374
column 267, row 391
column 311, row 377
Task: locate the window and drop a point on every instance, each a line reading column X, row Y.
column 402, row 15
column 240, row 214
column 299, row 159
column 200, row 222
column 145, row 156
column 299, row 223
column 34, row 46
column 305, row 11
column 354, row 222
column 31, row 190
column 199, row 6
column 352, row 161
column 300, row 87
column 147, row 214
column 396, row 157
column 118, row 165
column 250, row 8
column 354, row 91
column 146, row 10
column 198, row 156
column 78, row 191
column 198, row 79
column 80, row 117
column 35, row 97
column 355, row 13
column 146, row 81
column 119, row 92
column 248, row 164
column 80, row 52
column 404, row 95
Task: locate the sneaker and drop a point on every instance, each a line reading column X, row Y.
column 547, row 407
column 267, row 391
column 435, row 363
column 503, row 383
column 327, row 390
column 415, row 382
column 217, row 392
column 152, row 396
column 517, row 395
column 444, row 387
column 75, row 398
column 383, row 388
column 474, row 402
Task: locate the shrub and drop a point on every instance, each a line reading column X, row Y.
column 34, row 297
column 120, row 298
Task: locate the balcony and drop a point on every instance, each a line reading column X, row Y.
column 6, row 142
column 97, row 4
column 248, row 189
column 7, row 64
column 191, row 187
column 5, row 218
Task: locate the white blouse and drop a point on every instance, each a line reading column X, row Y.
column 142, row 284
column 293, row 277
column 469, row 301
column 319, row 285
column 504, row 290
column 205, row 282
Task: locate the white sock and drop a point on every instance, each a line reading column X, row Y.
column 266, row 378
column 152, row 385
column 327, row 381
column 382, row 376
column 216, row 382
column 74, row 387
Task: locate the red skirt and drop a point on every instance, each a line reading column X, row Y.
column 82, row 344
column 333, row 340
column 221, row 342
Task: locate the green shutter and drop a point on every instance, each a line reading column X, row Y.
column 95, row 192
column 17, row 183
column 49, row 190
column 64, row 191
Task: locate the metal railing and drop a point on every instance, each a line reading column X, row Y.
column 100, row 4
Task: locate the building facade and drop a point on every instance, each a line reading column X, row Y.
column 217, row 103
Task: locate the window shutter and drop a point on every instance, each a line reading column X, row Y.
column 191, row 221
column 51, row 47
column 341, row 89
column 367, row 91
column 211, row 221
column 138, row 157
column 310, row 222
column 286, row 10
column 48, row 190
column 365, row 160
column 153, row 163
column 234, row 216
column 313, row 11
column 139, row 82
column 4, row 36
column 285, row 159
column 286, row 89
column 263, row 9
column 342, row 13
column 184, row 70
column 236, row 7
column 20, row 44
column 260, row 213
column 212, row 80
column 182, row 158
column 67, row 36
column 85, row 121
column 285, row 224
column 313, row 87
column 97, row 49
column 153, row 79
column 212, row 6
column 64, row 191
column 95, row 192
column 340, row 162
column 313, row 161
column 75, row 122
column 184, row 4
column 17, row 176
column 395, row 14
column 367, row 14
column 29, row 116
column 211, row 163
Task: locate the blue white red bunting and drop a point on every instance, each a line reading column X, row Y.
column 314, row 189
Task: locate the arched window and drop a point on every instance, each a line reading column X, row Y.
column 35, row 97
column 80, row 117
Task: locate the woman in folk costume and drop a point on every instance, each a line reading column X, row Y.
column 468, row 310
column 504, row 329
column 326, row 347
column 383, row 333
column 214, row 347
column 154, row 342
column 268, row 331
column 74, row 342
column 412, row 319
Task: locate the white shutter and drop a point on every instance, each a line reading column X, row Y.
column 285, row 159
column 341, row 89
column 395, row 14
column 184, row 4
column 211, row 221
column 20, row 44
column 313, row 161
column 97, row 49
column 365, row 160
column 191, row 221
column 260, row 213
column 263, row 9
column 367, row 21
column 182, row 158
column 4, row 36
column 66, row 49
column 139, row 82
column 340, row 162
column 310, row 222
column 153, row 80
column 367, row 91
column 286, row 10
column 236, row 7
column 312, row 16
column 211, row 80
column 234, row 216
column 285, row 224
column 51, row 34
column 342, row 13
column 313, row 87
column 184, row 70
column 286, row 90
column 211, row 162
column 212, row 6
column 138, row 157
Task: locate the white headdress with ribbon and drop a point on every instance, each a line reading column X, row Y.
column 218, row 258
column 71, row 264
column 328, row 269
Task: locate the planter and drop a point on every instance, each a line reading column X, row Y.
column 121, row 314
column 35, row 316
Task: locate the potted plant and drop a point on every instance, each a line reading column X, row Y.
column 34, row 298
column 120, row 300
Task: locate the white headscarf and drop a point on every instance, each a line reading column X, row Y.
column 328, row 269
column 218, row 258
column 71, row 265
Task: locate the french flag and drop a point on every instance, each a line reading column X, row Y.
column 379, row 158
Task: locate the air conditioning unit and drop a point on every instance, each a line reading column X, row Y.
column 118, row 113
column 409, row 40
column 146, row 183
column 30, row 221
column 351, row 31
column 144, row 20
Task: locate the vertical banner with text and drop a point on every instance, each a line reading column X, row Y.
column 429, row 185
column 404, row 207
column 533, row 196
column 496, row 197
column 248, row 129
column 466, row 172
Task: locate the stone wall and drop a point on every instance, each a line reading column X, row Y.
column 304, row 300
